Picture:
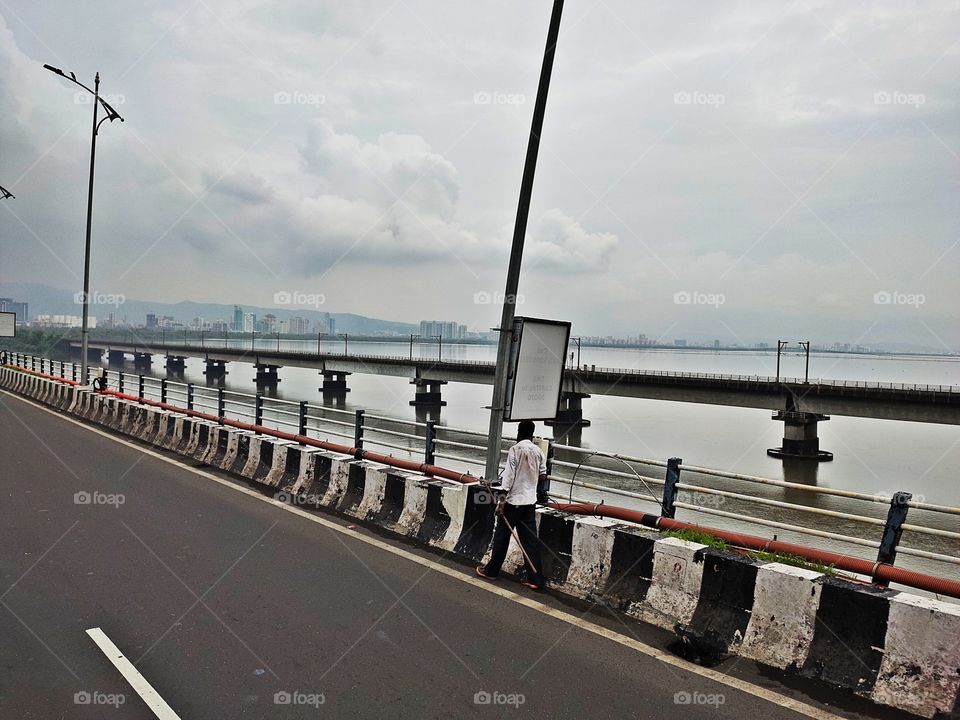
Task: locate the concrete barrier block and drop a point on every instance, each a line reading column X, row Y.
column 848, row 642
column 631, row 565
column 920, row 670
column 591, row 552
column 414, row 505
column 393, row 498
column 476, row 530
column 675, row 586
column 337, row 482
column 373, row 491
column 784, row 616
column 723, row 609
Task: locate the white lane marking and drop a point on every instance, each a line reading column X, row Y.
column 663, row 656
column 137, row 681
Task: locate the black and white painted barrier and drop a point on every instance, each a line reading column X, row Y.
column 894, row 648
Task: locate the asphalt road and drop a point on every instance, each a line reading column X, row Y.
column 228, row 606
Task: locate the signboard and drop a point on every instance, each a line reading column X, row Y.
column 8, row 324
column 535, row 374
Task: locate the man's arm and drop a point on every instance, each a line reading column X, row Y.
column 507, row 478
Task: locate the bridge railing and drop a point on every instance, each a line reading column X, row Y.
column 797, row 511
column 266, row 344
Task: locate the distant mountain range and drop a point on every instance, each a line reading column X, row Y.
column 44, row 299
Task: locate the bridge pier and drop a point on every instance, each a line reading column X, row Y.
column 800, row 439
column 215, row 368
column 175, row 365
column 334, row 385
column 266, row 375
column 569, row 424
column 115, row 357
column 142, row 360
column 427, row 393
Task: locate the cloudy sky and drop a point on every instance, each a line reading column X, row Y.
column 739, row 170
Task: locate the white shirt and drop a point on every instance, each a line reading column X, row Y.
column 525, row 464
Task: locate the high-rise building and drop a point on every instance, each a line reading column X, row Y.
column 249, row 322
column 327, row 325
column 237, row 318
column 152, row 320
column 447, row 329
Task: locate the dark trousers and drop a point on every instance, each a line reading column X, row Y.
column 523, row 518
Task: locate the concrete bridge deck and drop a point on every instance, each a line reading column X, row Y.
column 222, row 599
column 892, row 401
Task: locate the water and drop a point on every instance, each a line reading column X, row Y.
column 870, row 456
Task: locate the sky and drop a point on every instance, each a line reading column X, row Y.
column 737, row 170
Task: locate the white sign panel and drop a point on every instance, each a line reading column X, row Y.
column 536, row 377
column 8, row 324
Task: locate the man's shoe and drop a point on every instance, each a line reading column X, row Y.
column 532, row 585
column 482, row 574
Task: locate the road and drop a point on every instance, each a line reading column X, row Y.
column 228, row 605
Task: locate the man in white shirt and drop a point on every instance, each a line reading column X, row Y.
column 516, row 508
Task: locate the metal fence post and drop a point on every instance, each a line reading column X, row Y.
column 163, row 390
column 33, row 363
column 63, row 369
column 140, row 387
column 668, row 507
column 73, row 371
column 302, row 424
column 189, row 396
column 221, row 404
column 258, row 411
column 429, row 445
column 358, row 430
column 896, row 517
column 120, row 380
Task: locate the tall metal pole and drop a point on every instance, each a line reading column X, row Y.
column 495, row 432
column 85, row 329
column 806, row 369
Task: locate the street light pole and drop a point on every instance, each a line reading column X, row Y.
column 439, row 339
column 346, row 337
column 495, row 433
column 412, row 336
column 781, row 344
column 806, row 369
column 111, row 115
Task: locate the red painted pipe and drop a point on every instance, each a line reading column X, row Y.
column 43, row 375
column 878, row 571
column 358, row 453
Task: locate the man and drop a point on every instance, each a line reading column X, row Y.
column 526, row 467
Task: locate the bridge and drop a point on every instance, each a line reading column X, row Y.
column 798, row 404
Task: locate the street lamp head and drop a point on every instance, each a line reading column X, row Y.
column 52, row 69
column 6, row 194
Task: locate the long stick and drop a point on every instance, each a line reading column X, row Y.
column 516, row 536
